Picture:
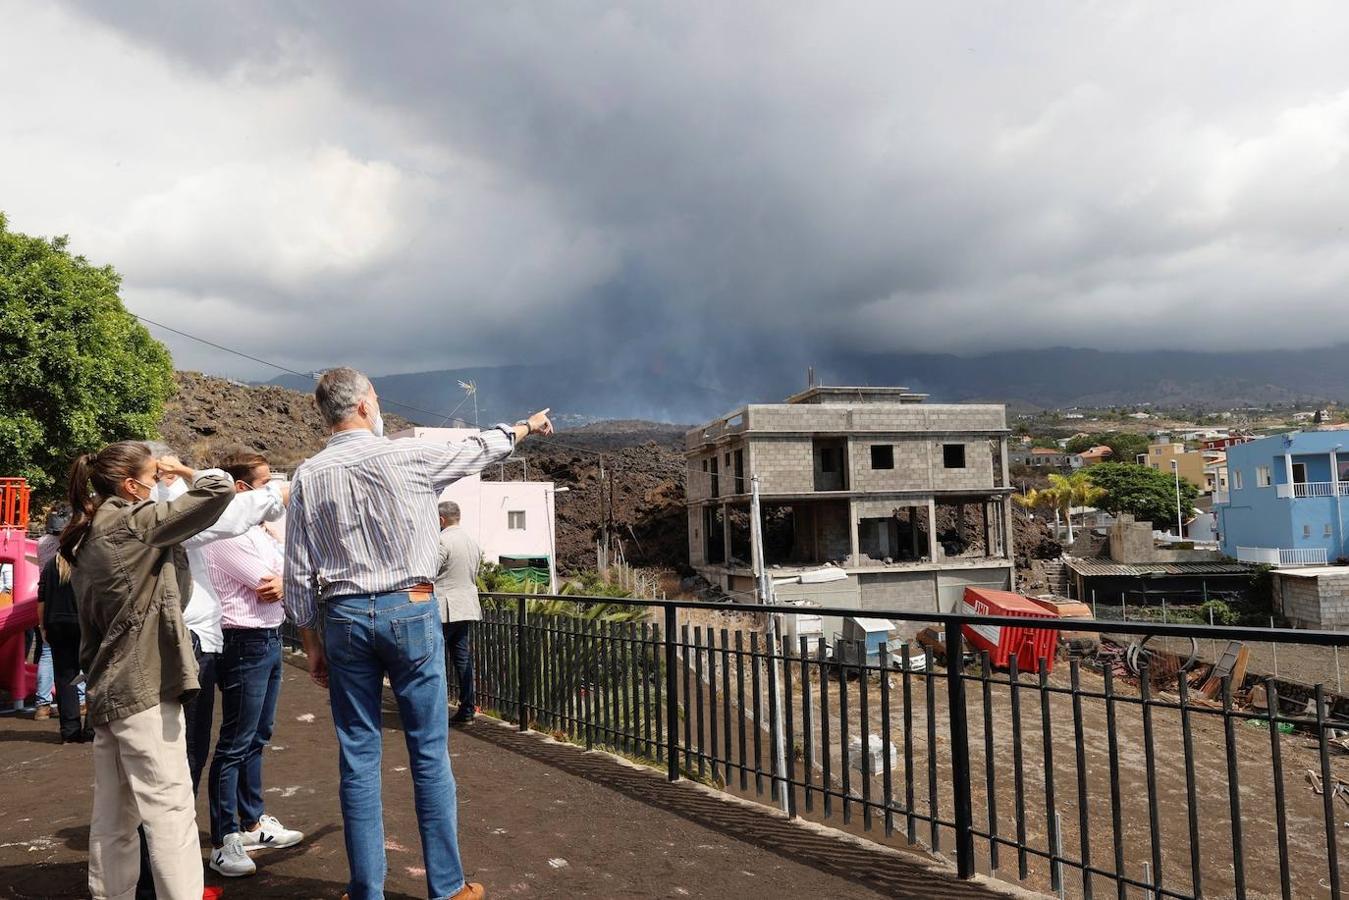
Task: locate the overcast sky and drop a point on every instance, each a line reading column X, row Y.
column 411, row 185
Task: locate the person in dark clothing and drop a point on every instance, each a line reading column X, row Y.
column 61, row 629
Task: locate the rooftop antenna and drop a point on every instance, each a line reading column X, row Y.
column 471, row 388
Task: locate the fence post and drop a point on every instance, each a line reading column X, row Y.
column 671, row 698
column 960, row 749
column 521, row 667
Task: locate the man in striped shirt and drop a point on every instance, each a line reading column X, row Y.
column 245, row 572
column 362, row 541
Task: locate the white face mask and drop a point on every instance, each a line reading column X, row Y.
column 377, row 426
column 165, row 492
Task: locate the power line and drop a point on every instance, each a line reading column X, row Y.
column 202, row 340
column 548, row 440
column 290, row 371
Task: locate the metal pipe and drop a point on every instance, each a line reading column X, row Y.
column 1275, row 647
column 767, row 597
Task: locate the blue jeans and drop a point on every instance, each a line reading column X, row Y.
column 46, row 677
column 461, row 657
column 367, row 637
column 249, row 674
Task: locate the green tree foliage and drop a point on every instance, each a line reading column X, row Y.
column 1064, row 493
column 1080, row 443
column 76, row 369
column 1147, row 494
column 1126, row 446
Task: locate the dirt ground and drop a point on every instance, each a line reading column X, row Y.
column 537, row 819
column 1305, row 818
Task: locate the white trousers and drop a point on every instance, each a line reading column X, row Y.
column 141, row 777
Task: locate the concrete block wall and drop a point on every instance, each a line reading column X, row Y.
column 911, row 464
column 835, row 531
column 879, row 418
column 978, row 471
column 881, row 509
column 697, row 550
column 920, row 464
column 697, row 484
column 904, row 591
column 785, row 465
column 1320, row 601
column 1334, row 596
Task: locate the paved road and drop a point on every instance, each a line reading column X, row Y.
column 538, row 820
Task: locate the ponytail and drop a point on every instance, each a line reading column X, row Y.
column 103, row 471
column 82, row 505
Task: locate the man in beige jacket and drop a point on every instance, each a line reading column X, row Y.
column 457, row 591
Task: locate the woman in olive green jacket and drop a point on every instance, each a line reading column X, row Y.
column 138, row 661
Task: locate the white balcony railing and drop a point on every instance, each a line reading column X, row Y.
column 1283, row 556
column 1221, row 497
column 1304, row 489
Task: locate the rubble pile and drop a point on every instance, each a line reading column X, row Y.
column 1031, row 538
column 208, row 415
column 640, row 478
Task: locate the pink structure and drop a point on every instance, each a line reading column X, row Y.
column 18, row 555
column 508, row 519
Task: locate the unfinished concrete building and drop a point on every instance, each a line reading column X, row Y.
column 912, row 499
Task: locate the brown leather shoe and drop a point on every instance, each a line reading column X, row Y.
column 467, row 892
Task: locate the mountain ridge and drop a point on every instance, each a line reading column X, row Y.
column 588, row 390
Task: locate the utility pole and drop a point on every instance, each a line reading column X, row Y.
column 766, row 596
column 604, row 526
column 1175, row 469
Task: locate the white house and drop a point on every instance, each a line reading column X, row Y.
column 512, row 521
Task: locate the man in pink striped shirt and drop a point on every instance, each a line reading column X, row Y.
column 246, row 574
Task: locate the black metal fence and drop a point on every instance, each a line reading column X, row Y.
column 1073, row 781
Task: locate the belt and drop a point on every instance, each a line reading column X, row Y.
column 421, row 587
column 243, row 634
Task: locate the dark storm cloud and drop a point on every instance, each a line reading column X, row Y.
column 700, row 185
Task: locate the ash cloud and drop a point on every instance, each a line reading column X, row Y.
column 704, row 191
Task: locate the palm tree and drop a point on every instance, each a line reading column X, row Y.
column 1073, row 490
column 1041, row 498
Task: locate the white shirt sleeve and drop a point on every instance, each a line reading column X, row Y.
column 245, row 510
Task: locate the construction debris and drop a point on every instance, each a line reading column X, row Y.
column 1162, row 665
column 1340, row 787
column 930, row 639
column 1232, row 663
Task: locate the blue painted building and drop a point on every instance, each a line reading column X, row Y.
column 1286, row 503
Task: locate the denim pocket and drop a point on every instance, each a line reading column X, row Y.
column 336, row 635
column 415, row 635
column 250, row 650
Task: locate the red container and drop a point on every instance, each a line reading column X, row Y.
column 1029, row 644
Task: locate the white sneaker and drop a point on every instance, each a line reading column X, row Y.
column 271, row 835
column 232, row 859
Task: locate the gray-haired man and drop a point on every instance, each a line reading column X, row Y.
column 457, row 591
column 362, row 540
